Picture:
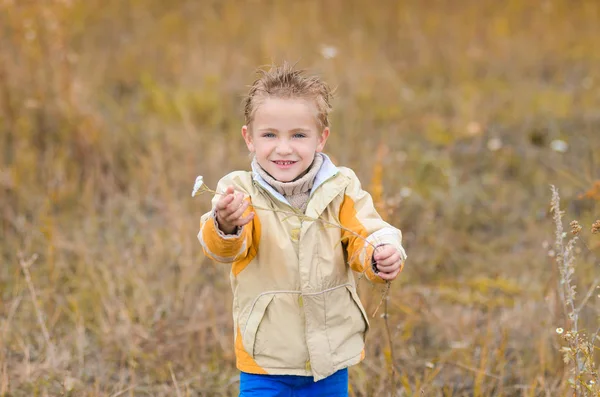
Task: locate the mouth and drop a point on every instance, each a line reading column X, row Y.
column 284, row 164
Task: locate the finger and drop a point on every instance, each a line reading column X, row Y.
column 237, row 214
column 233, row 203
column 384, row 276
column 383, row 251
column 390, row 261
column 379, row 252
column 389, row 276
column 232, row 208
column 244, row 221
column 226, row 197
column 236, row 203
column 389, row 269
column 224, row 202
column 222, row 221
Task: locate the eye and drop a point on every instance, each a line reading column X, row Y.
column 268, row 135
column 299, row 135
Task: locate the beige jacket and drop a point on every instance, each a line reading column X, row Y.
column 295, row 306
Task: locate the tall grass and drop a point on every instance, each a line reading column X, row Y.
column 579, row 351
column 454, row 114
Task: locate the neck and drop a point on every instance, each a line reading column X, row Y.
column 300, row 186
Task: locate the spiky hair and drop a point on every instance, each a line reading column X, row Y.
column 287, row 82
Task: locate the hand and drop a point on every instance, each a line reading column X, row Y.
column 389, row 262
column 229, row 211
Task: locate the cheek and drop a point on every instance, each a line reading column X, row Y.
column 310, row 147
column 263, row 148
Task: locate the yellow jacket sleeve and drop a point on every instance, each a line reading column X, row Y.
column 226, row 248
column 358, row 214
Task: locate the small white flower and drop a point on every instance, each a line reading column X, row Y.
column 494, row 144
column 559, row 330
column 328, row 51
column 198, row 184
column 405, row 192
column 429, row 365
column 559, row 146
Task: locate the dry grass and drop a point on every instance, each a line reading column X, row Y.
column 447, row 110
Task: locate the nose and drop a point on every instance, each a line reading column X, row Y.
column 284, row 147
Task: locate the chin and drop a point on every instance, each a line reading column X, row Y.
column 282, row 176
column 285, row 178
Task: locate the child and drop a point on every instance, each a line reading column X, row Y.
column 298, row 321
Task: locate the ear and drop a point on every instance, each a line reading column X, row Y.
column 322, row 139
column 248, row 138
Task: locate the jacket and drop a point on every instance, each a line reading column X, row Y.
column 295, row 306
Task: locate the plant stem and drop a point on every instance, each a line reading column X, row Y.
column 385, row 293
column 25, row 264
column 391, row 345
column 301, row 216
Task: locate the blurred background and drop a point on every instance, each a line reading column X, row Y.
column 456, row 115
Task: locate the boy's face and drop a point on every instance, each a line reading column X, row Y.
column 285, row 137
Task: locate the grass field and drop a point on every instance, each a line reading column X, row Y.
column 456, row 115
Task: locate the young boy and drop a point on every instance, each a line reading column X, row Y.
column 298, row 321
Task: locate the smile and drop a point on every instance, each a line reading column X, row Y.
column 284, row 164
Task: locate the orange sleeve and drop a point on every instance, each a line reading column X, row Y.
column 221, row 247
column 358, row 214
column 360, row 253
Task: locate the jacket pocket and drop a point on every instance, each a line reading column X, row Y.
column 358, row 304
column 255, row 317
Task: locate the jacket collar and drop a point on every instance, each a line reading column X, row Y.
column 327, row 171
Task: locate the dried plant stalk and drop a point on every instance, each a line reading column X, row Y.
column 578, row 354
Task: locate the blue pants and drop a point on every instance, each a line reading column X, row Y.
column 252, row 385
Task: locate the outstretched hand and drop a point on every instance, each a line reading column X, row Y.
column 230, row 210
column 389, row 261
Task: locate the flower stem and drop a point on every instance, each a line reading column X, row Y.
column 300, row 216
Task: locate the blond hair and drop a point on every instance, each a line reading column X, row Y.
column 286, row 82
